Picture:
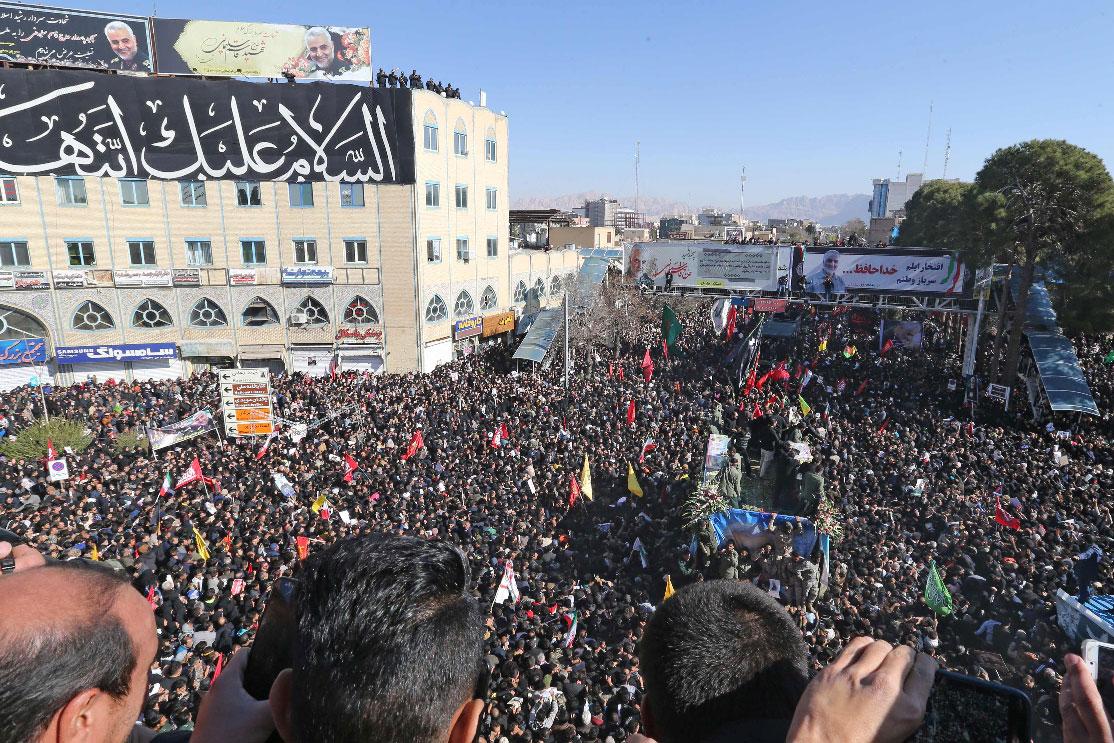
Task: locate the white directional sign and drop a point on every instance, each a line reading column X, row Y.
column 245, row 396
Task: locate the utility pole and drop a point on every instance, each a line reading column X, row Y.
column 566, row 303
column 899, row 154
column 742, row 197
column 947, row 151
column 637, row 194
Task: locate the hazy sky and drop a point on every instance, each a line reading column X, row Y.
column 814, row 97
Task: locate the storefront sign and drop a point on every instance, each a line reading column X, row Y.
column 242, row 276
column 496, row 324
column 73, row 38
column 76, row 279
column 355, row 335
column 31, row 280
column 187, row 277
column 26, row 351
column 108, row 354
column 7, row 280
column 468, row 327
column 765, row 304
column 143, row 277
column 307, row 275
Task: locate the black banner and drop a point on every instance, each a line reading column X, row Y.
column 74, row 38
column 78, row 123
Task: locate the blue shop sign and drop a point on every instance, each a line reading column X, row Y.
column 307, row 275
column 26, row 351
column 468, row 327
column 109, row 354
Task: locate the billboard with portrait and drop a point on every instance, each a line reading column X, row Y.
column 704, row 265
column 233, row 49
column 37, row 34
column 908, row 334
column 834, row 271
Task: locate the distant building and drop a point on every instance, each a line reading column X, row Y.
column 583, row 237
column 627, row 218
column 716, row 218
column 637, row 234
column 890, row 196
column 669, row 226
column 785, row 224
column 601, row 212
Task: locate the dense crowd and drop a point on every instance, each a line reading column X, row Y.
column 904, row 472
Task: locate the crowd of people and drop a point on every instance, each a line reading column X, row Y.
column 902, row 470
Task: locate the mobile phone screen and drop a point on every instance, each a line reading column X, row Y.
column 961, row 709
column 1105, row 670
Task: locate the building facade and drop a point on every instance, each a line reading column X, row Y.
column 888, row 197
column 140, row 279
column 601, row 212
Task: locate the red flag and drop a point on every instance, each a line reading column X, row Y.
column 333, row 364
column 665, row 349
column 620, row 372
column 647, row 366
column 218, row 669
column 496, row 438
column 647, row 447
column 574, row 490
column 266, row 443
column 325, row 513
column 51, row 454
column 757, row 412
column 303, row 547
column 763, row 379
column 193, row 474
column 416, row 443
column 780, row 373
column 732, row 315
column 862, row 387
column 1004, row 518
column 630, row 413
column 151, row 597
column 888, row 345
column 504, row 432
column 610, row 369
column 885, row 423
column 350, row 467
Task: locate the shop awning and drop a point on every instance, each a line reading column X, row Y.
column 262, row 352
column 542, row 333
column 1060, row 375
column 206, row 348
column 779, row 329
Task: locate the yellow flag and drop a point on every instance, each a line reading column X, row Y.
column 668, row 588
column 202, row 548
column 95, row 554
column 318, row 504
column 824, row 345
column 586, row 479
column 632, row 481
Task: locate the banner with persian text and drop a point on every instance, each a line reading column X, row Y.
column 831, row 271
column 196, row 425
column 60, row 37
column 78, row 123
column 704, row 265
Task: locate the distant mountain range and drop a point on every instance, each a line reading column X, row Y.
column 832, row 209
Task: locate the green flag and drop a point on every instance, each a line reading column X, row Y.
column 936, row 594
column 1109, row 358
column 670, row 326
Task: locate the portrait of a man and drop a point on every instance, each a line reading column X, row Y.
column 321, row 51
column 125, row 46
column 824, row 280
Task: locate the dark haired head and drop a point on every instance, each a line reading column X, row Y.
column 717, row 653
column 389, row 641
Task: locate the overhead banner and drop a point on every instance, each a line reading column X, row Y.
column 703, row 265
column 234, row 49
column 197, row 424
column 74, row 38
column 109, row 354
column 886, row 271
column 81, row 123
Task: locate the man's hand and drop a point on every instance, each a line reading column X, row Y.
column 25, row 557
column 228, row 713
column 872, row 692
column 1085, row 719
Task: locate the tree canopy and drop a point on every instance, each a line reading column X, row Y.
column 936, row 216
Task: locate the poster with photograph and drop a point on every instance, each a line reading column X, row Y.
column 60, row 37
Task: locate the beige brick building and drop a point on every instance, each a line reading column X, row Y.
column 280, row 275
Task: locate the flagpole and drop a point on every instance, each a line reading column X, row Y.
column 566, row 304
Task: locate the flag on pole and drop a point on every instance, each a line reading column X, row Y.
column 95, row 554
column 630, row 413
column 193, row 474
column 496, row 438
column 668, row 589
column 586, row 479
column 570, row 636
column 218, row 669
column 350, row 467
column 334, row 363
column 805, row 407
column 318, row 503
column 1004, row 518
column 849, row 351
column 415, row 444
column 647, row 447
column 151, row 597
column 610, row 369
column 51, row 454
column 508, row 588
column 887, row 346
column 302, row 544
column 641, row 550
column 647, row 366
column 166, row 488
column 266, row 444
column 632, row 481
column 823, row 347
column 670, row 326
column 619, row 371
column 861, row 389
column 884, row 425
column 202, row 546
column 1108, row 358
column 732, row 317
column 574, row 490
column 936, row 594
column 665, row 349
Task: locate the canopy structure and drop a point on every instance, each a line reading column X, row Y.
column 1060, row 375
column 542, row 333
column 591, row 275
column 779, row 328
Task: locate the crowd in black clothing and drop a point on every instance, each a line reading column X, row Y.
column 399, row 79
column 563, row 664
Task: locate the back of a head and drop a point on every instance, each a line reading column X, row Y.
column 719, row 653
column 389, row 641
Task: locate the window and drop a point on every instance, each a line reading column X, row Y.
column 492, row 247
column 555, row 286
column 134, row 193
column 461, row 196
column 305, row 251
column 429, row 132
column 253, row 252
column 199, row 253
column 492, row 199
column 355, row 251
column 360, row 312
column 436, row 311
column 9, row 194
column 460, row 139
column 151, row 314
column 464, row 306
column 489, row 299
column 91, row 316
column 141, row 252
column 192, row 193
column 71, row 192
column 309, row 312
column 351, row 195
column 81, row 252
column 247, row 193
column 432, row 193
column 489, row 149
column 520, row 291
column 433, row 249
column 14, row 253
column 463, row 251
column 301, row 194
column 207, row 314
column 259, row 312
column 539, row 287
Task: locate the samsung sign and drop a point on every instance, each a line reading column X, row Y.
column 111, row 354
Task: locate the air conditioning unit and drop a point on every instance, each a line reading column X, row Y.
column 298, row 318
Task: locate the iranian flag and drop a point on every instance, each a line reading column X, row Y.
column 647, row 447
column 350, row 467
column 166, row 488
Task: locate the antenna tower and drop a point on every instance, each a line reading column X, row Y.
column 742, row 192
column 899, row 154
column 927, row 140
column 637, row 195
column 947, row 151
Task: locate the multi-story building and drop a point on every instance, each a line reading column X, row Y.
column 601, row 212
column 889, row 197
column 139, row 279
